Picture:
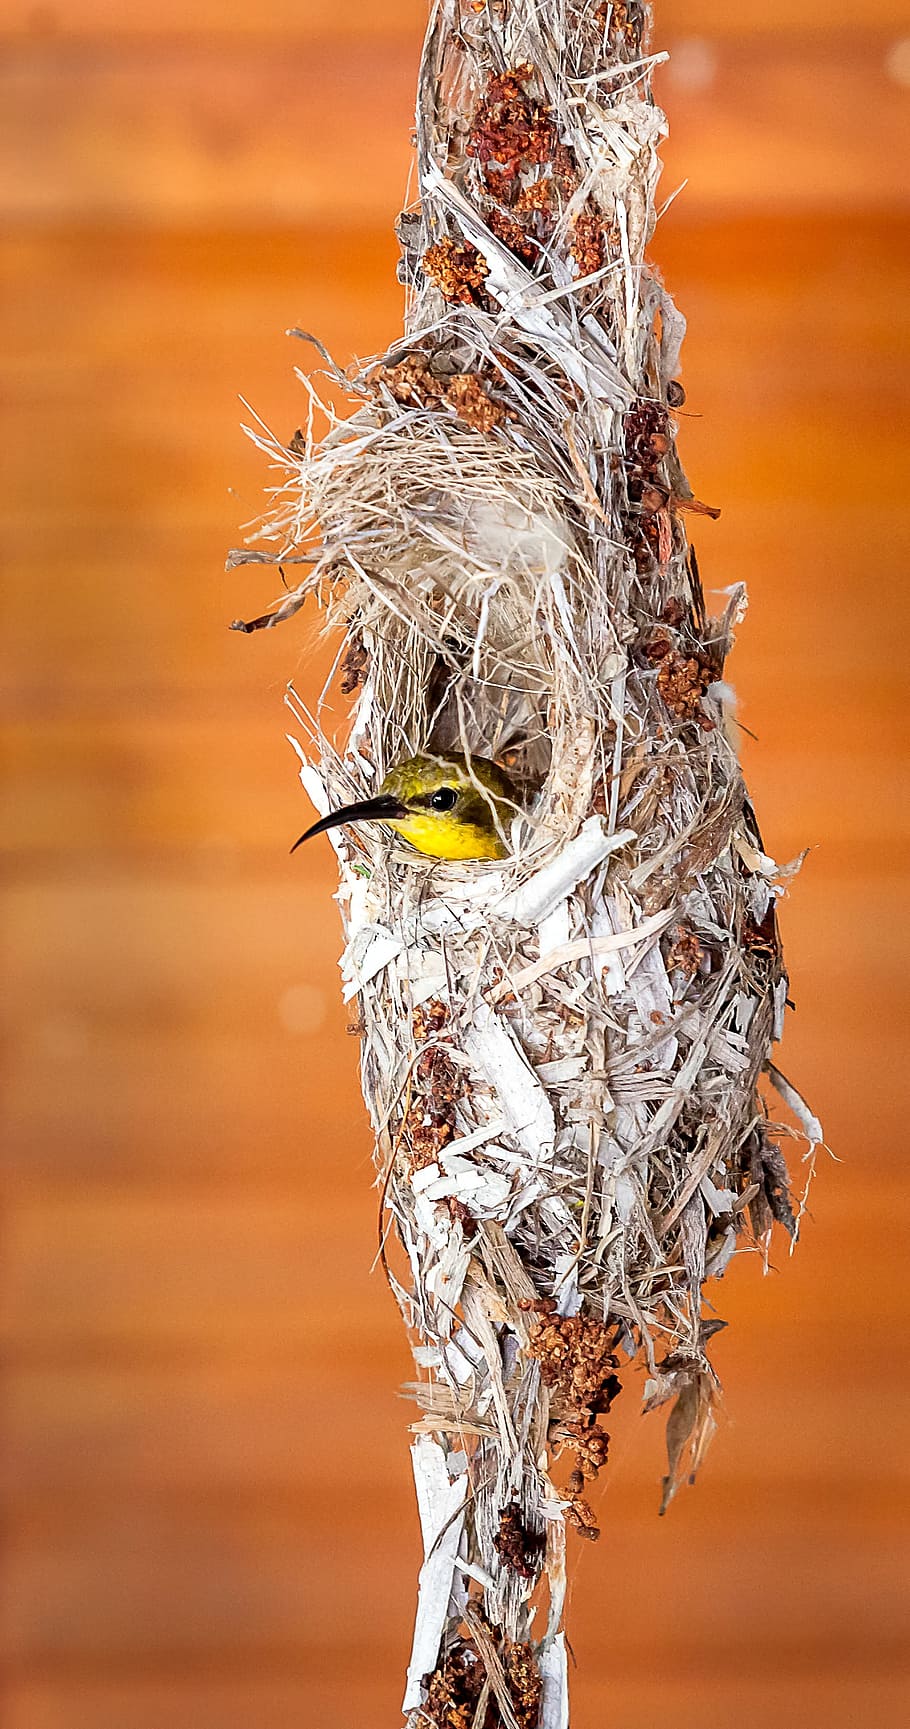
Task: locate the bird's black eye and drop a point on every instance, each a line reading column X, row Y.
column 444, row 799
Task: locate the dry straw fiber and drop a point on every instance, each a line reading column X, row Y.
column 563, row 1052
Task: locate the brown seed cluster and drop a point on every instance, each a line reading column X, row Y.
column 472, row 404
column 512, row 235
column 510, row 127
column 684, row 671
column 354, row 665
column 426, row 1132
column 429, row 1122
column 522, row 217
column 516, row 1546
column 512, row 138
column 525, row 1685
column 536, row 197
column 436, row 1074
column 455, row 1687
column 591, row 1446
column 413, row 383
column 646, row 431
column 625, row 21
column 458, row 270
column 581, row 1514
column 429, row 1018
column 587, row 243
column 500, row 185
column 647, row 441
column 682, row 681
column 685, row 953
column 576, row 1360
column 436, row 1087
column 578, row 1365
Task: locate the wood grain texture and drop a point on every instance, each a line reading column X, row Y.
column 203, row 1462
column 349, row 18
column 650, row 1697
column 217, row 131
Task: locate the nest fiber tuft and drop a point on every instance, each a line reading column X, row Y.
column 563, row 1052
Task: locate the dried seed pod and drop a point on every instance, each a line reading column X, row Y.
column 458, row 271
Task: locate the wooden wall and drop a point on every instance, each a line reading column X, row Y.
column 207, row 1506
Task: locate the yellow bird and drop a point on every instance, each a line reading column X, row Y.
column 441, row 805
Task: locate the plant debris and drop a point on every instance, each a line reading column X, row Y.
column 516, row 1546
column 682, row 681
column 583, row 1519
column 458, row 271
column 577, row 1363
column 459, row 1695
column 412, row 382
column 428, row 1123
column 587, row 244
column 512, row 235
column 576, row 1357
column 354, row 665
column 472, row 404
column 511, row 128
column 453, row 1691
column 685, row 954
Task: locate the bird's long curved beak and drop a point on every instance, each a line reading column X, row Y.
column 382, row 809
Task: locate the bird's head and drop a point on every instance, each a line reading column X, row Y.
column 443, row 805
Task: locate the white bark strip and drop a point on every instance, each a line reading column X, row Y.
column 495, row 1056
column 554, row 1710
column 439, row 1501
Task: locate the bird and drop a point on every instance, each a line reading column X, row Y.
column 445, row 805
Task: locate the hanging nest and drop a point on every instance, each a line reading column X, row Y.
column 563, row 1052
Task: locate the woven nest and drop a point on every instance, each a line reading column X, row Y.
column 562, row 1052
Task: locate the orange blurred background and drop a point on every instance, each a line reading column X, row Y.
column 208, row 1508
